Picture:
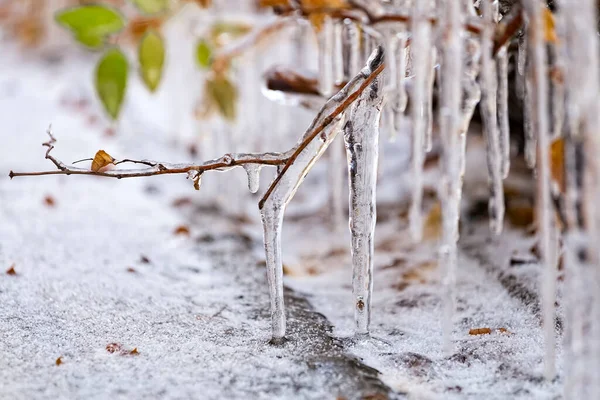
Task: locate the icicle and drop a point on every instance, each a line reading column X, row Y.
column 450, row 122
column 352, row 64
column 502, row 104
column 421, row 59
column 537, row 92
column 361, row 135
column 401, row 71
column 428, row 142
column 521, row 61
column 196, row 177
column 471, row 93
column 391, row 43
column 338, row 52
column 253, row 172
column 336, row 184
column 325, row 40
column 489, row 84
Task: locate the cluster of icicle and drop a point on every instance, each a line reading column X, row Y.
column 559, row 84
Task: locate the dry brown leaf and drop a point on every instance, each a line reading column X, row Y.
column 480, row 331
column 101, row 160
column 134, row 352
column 49, row 201
column 504, row 330
column 144, row 259
column 11, row 270
column 432, row 228
column 520, row 215
column 549, row 29
column 58, row 361
column 131, row 269
column 182, row 230
column 114, row 347
column 140, row 25
column 272, row 3
column 557, row 163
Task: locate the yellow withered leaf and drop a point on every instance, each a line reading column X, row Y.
column 101, row 160
column 557, row 163
column 549, row 29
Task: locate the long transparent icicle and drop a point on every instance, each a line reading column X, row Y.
column 361, row 135
column 285, row 185
column 502, row 104
column 450, row 122
column 421, row 62
column 537, row 92
column 489, row 85
column 325, row 38
column 471, row 92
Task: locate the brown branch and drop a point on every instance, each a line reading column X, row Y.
column 155, row 167
column 222, row 58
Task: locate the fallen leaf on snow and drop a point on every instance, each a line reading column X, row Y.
column 11, row 270
column 58, row 361
column 49, row 201
column 480, row 331
column 182, row 230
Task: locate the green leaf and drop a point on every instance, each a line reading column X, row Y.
column 111, row 80
column 91, row 24
column 222, row 33
column 151, row 6
column 151, row 53
column 222, row 93
column 203, row 53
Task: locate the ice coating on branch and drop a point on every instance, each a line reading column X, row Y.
column 421, row 63
column 325, row 38
column 302, row 157
column 361, row 136
column 253, row 172
column 502, row 104
column 450, row 122
column 489, row 86
column 537, row 92
column 336, row 185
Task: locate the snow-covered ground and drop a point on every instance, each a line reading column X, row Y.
column 103, row 265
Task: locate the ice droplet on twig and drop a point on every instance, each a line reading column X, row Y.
column 421, row 58
column 253, row 172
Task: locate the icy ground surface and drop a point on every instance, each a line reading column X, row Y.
column 197, row 310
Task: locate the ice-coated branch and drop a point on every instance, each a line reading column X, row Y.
column 155, row 167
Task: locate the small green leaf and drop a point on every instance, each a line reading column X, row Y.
column 222, row 92
column 203, row 53
column 151, row 6
column 111, row 80
column 91, row 24
column 151, row 53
